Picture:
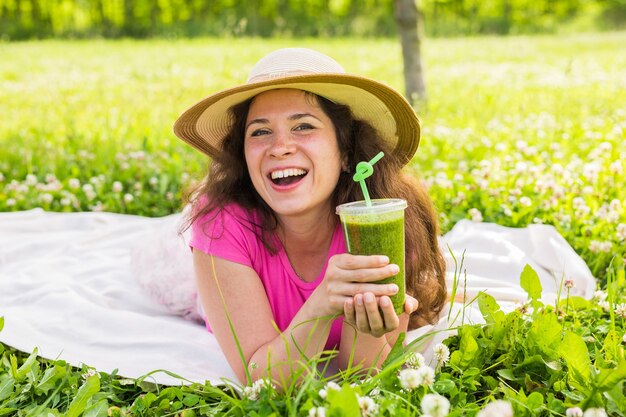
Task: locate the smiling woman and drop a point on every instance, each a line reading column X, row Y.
column 275, row 282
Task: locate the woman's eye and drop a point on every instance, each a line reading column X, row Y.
column 259, row 132
column 304, row 126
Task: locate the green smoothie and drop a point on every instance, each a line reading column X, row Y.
column 378, row 230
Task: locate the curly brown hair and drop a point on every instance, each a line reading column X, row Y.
column 228, row 181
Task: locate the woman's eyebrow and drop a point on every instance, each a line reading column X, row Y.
column 259, row 121
column 296, row 116
column 299, row 116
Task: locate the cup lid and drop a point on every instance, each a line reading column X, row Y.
column 378, row 206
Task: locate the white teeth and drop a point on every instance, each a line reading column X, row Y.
column 291, row 172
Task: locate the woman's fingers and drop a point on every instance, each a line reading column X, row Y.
column 410, row 304
column 362, row 323
column 372, row 316
column 360, row 268
column 392, row 321
column 349, row 312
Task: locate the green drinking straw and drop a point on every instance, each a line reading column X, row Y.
column 364, row 170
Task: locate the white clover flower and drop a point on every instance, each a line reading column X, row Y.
column 90, row 195
column 65, row 201
column 591, row 171
column 620, row 310
column 138, row 155
column 624, row 338
column 128, row 198
column 10, row 202
column 153, row 181
column 612, row 216
column 73, row 183
column 441, row 353
column 367, row 405
column 594, row 246
column 574, row 412
column 46, row 198
column 525, row 201
column 578, row 202
column 97, row 207
column 498, row 408
column 252, row 392
column 412, row 378
column 595, row 412
column 569, row 283
column 426, row 375
column 476, row 215
column 138, row 186
column 330, row 385
column 409, row 379
column 606, row 246
column 317, row 412
column 604, row 305
column 415, row 360
column 31, row 179
column 600, row 295
column 588, row 189
column 616, row 168
column 88, row 188
column 89, row 373
column 621, row 231
column 117, row 187
column 435, row 405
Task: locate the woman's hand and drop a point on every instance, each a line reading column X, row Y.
column 375, row 316
column 348, row 275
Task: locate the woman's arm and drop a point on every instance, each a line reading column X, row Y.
column 246, row 302
column 237, row 289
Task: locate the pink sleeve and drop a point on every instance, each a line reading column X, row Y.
column 222, row 233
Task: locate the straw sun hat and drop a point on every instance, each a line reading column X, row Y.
column 205, row 124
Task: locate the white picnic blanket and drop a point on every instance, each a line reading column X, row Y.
column 70, row 287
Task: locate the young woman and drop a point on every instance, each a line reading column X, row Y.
column 269, row 254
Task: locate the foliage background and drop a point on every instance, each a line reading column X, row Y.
column 27, row 19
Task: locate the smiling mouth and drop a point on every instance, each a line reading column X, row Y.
column 287, row 176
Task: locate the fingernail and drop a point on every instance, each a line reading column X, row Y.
column 384, row 259
column 384, row 301
column 358, row 299
column 393, row 288
column 395, row 269
column 369, row 297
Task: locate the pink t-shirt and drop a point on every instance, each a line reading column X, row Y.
column 230, row 234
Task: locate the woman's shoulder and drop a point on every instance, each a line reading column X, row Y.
column 224, row 215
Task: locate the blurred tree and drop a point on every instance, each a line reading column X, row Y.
column 407, row 18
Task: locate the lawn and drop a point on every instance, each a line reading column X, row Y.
column 516, row 131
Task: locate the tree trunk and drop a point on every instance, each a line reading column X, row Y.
column 406, row 15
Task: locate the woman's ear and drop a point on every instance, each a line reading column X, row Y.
column 344, row 164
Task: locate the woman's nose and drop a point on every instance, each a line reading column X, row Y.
column 282, row 145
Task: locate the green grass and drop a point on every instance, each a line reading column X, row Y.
column 517, row 131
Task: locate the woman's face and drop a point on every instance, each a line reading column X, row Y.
column 291, row 152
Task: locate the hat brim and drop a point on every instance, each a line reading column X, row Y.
column 206, row 123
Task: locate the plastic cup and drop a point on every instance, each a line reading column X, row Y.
column 377, row 229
